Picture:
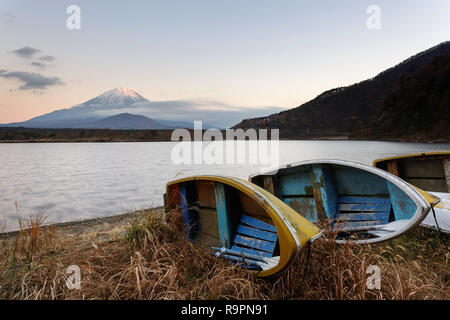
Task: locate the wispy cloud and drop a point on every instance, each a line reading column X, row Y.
column 47, row 58
column 40, row 65
column 26, row 52
column 7, row 17
column 30, row 53
column 31, row 80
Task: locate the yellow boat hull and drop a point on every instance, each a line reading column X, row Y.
column 293, row 230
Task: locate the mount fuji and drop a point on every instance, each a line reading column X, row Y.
column 89, row 113
column 124, row 108
column 117, row 97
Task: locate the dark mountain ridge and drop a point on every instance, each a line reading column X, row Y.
column 340, row 112
column 418, row 107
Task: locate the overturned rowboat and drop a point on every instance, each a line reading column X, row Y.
column 358, row 202
column 240, row 221
column 428, row 171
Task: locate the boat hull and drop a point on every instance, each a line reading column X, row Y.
column 361, row 203
column 429, row 171
column 293, row 231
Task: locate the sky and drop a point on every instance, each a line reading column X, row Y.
column 245, row 53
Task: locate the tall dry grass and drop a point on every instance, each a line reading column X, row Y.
column 153, row 260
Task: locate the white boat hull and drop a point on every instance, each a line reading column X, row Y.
column 442, row 210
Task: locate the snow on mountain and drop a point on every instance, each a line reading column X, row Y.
column 116, row 97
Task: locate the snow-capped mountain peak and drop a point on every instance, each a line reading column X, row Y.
column 115, row 97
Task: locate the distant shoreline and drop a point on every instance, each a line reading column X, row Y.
column 131, row 141
column 38, row 135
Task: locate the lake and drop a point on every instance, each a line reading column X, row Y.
column 73, row 181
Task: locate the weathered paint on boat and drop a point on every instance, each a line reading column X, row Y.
column 328, row 190
column 292, row 229
column 429, row 171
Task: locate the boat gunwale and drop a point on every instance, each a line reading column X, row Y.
column 409, row 155
column 423, row 206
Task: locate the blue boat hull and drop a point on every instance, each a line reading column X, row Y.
column 357, row 201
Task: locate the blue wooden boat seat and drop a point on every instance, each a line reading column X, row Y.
column 253, row 241
column 359, row 213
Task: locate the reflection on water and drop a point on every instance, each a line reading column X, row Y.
column 72, row 181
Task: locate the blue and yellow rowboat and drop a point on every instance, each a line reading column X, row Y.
column 360, row 203
column 240, row 221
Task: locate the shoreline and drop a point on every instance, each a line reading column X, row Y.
column 40, row 135
column 103, row 140
column 102, row 226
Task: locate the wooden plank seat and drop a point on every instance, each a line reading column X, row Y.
column 361, row 213
column 253, row 243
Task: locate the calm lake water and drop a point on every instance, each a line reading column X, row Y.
column 73, row 181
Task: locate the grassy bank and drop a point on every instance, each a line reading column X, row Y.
column 148, row 258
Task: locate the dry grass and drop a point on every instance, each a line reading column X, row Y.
column 152, row 260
